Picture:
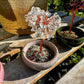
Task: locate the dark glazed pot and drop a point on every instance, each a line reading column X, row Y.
column 71, row 42
column 40, row 66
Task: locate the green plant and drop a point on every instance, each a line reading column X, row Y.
column 81, row 51
column 74, row 58
column 10, row 58
column 77, row 56
column 58, row 5
column 51, row 4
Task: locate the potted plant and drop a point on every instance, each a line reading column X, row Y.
column 71, row 35
column 41, row 54
column 1, row 73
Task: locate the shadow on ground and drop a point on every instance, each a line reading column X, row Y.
column 17, row 70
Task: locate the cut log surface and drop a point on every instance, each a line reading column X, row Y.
column 75, row 75
column 17, row 73
column 12, row 14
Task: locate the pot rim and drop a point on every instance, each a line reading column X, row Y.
column 48, row 62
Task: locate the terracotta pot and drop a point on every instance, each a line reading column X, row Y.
column 71, row 42
column 12, row 14
column 1, row 73
column 40, row 66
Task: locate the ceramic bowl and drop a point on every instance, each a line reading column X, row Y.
column 44, row 65
column 68, row 41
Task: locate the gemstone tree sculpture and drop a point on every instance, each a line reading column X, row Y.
column 73, row 6
column 41, row 24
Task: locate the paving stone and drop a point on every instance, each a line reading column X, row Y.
column 51, row 10
column 67, row 20
column 61, row 14
column 75, row 75
column 20, row 74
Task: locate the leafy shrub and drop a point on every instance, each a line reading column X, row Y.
column 58, row 5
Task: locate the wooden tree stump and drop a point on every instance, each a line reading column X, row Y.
column 12, row 14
